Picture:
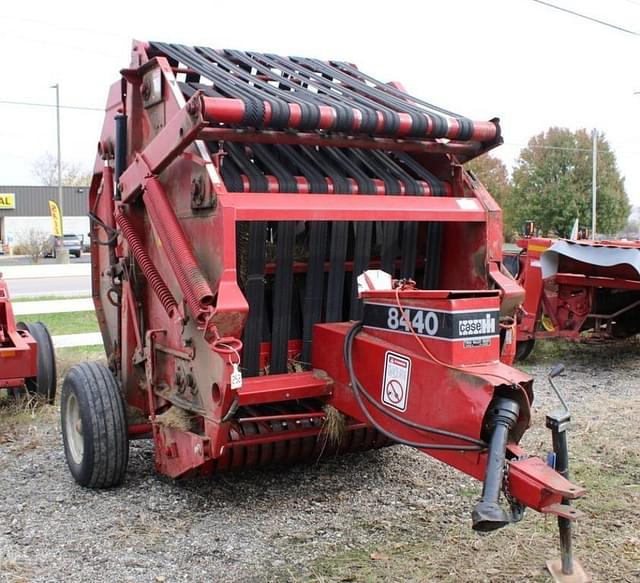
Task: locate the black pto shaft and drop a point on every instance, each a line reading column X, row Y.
column 488, row 515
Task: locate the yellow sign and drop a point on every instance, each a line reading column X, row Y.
column 56, row 219
column 7, row 200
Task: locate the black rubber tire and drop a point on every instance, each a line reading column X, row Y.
column 44, row 384
column 99, row 407
column 524, row 349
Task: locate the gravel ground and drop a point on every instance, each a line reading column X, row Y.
column 389, row 515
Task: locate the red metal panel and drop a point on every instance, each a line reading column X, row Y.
column 18, row 350
column 322, row 207
column 283, row 387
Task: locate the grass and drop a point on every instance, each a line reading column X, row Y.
column 21, row 415
column 66, row 322
column 605, row 458
column 67, row 357
column 46, row 298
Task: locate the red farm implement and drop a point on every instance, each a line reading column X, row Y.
column 236, row 198
column 580, row 290
column 27, row 359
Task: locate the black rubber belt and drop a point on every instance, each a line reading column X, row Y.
column 233, row 165
column 283, row 285
column 231, row 73
column 384, row 91
column 344, row 114
column 314, row 283
column 242, row 67
column 254, row 107
column 338, row 238
column 363, row 229
column 390, row 229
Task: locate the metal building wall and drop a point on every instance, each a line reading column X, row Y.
column 33, row 201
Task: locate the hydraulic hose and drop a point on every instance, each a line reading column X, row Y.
column 359, row 392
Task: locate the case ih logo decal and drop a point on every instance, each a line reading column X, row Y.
column 479, row 327
column 463, row 325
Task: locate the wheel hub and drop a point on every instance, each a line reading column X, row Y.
column 73, row 429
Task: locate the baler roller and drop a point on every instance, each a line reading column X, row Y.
column 267, row 91
column 258, row 437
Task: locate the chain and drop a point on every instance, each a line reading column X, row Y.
column 517, row 509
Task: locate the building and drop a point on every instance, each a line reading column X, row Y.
column 25, row 208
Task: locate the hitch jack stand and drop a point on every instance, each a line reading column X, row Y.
column 566, row 569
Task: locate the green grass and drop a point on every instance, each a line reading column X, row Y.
column 48, row 298
column 66, row 323
column 67, row 357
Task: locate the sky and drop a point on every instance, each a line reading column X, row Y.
column 528, row 64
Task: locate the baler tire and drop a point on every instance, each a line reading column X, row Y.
column 94, row 426
column 524, row 349
column 44, row 383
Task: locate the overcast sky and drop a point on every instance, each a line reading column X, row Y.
column 528, row 64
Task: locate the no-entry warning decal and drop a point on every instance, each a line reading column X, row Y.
column 395, row 381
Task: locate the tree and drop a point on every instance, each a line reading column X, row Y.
column 45, row 169
column 33, row 243
column 493, row 174
column 552, row 183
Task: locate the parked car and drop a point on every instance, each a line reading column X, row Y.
column 70, row 242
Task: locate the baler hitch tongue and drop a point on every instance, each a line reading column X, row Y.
column 566, row 569
column 488, row 515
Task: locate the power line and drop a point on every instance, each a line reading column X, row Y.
column 536, row 147
column 513, row 144
column 580, row 15
column 31, row 104
column 568, row 149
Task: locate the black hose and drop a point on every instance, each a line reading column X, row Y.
column 358, row 390
column 113, row 233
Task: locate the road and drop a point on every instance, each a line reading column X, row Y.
column 47, row 279
column 73, row 285
column 7, row 260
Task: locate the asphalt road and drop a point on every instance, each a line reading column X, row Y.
column 44, row 279
column 24, row 260
column 52, row 286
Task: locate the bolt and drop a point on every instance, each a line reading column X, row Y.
column 193, row 107
column 179, row 380
column 197, row 190
column 191, row 383
column 145, row 91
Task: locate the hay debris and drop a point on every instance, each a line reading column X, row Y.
column 175, row 418
column 334, row 426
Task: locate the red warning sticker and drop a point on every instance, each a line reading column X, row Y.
column 395, row 382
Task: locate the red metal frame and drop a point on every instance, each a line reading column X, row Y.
column 562, row 306
column 18, row 349
column 185, row 356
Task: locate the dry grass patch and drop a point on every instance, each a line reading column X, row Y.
column 604, row 457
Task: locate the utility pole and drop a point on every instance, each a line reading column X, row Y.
column 594, row 184
column 62, row 256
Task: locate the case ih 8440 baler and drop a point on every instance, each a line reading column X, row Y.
column 236, row 198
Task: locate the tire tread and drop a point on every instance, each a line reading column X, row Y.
column 106, row 438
